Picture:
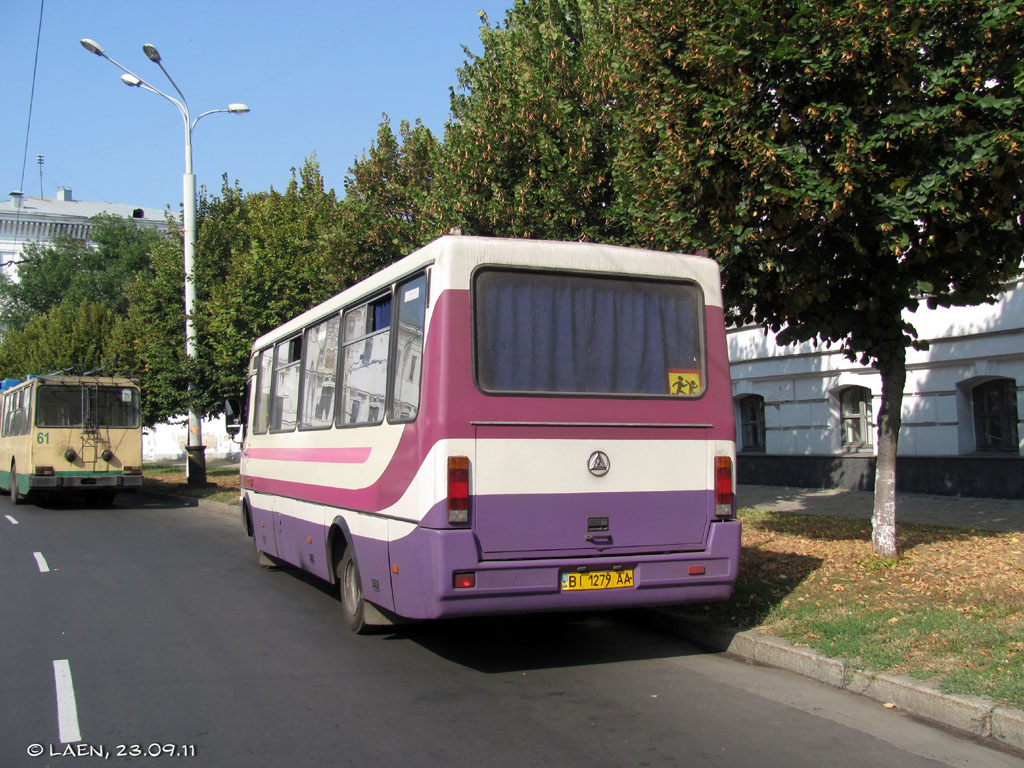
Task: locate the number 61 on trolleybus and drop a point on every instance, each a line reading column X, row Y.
column 497, row 426
column 62, row 435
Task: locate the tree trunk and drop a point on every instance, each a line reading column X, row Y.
column 883, row 518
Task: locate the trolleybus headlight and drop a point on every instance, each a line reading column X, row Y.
column 70, row 455
column 44, row 471
column 107, row 455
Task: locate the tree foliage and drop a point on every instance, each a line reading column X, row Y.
column 529, row 148
column 390, row 208
column 71, row 270
column 844, row 160
column 71, row 336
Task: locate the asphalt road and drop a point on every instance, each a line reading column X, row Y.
column 151, row 629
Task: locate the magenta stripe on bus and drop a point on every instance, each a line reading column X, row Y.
column 323, row 455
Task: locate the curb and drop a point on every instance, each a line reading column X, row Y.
column 970, row 714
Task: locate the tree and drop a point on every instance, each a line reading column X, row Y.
column 846, row 162
column 150, row 341
column 389, row 208
column 287, row 265
column 528, row 151
column 70, row 337
column 71, row 270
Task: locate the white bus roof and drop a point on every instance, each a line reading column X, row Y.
column 462, row 254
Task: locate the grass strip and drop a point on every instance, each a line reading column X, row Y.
column 169, row 478
column 950, row 609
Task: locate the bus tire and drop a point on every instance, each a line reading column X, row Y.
column 353, row 606
column 16, row 496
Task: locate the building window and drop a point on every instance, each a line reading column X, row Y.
column 855, row 407
column 995, row 415
column 752, row 424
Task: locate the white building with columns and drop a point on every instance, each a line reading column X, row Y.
column 806, row 415
column 42, row 219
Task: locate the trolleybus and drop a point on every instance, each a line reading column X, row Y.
column 494, row 426
column 70, row 434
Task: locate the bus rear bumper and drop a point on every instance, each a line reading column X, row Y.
column 534, row 586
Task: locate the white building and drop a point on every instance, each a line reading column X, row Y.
column 806, row 415
column 42, row 219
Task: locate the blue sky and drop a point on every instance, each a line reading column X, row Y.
column 317, row 74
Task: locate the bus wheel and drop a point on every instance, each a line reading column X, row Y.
column 16, row 497
column 352, row 604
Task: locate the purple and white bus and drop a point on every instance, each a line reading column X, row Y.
column 498, row 426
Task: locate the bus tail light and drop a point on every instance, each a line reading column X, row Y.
column 43, row 471
column 458, row 490
column 464, row 580
column 133, row 470
column 724, row 498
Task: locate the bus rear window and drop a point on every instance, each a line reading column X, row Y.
column 566, row 333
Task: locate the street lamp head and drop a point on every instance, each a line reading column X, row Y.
column 237, row 109
column 151, row 52
column 91, row 46
column 131, row 80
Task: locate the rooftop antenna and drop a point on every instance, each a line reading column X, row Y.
column 39, row 159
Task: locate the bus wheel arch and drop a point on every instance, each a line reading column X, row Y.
column 263, row 560
column 360, row 616
column 247, row 519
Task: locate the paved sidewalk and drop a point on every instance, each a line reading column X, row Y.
column 950, row 511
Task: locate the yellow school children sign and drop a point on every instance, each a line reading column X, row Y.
column 684, row 382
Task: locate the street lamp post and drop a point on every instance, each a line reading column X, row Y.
column 196, row 463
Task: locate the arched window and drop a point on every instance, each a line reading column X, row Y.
column 995, row 415
column 855, row 412
column 751, row 412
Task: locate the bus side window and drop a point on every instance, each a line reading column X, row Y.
column 284, row 404
column 320, row 370
column 408, row 362
column 261, row 413
column 367, row 334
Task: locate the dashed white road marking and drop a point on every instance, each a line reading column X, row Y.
column 41, row 562
column 67, row 709
column 11, row 520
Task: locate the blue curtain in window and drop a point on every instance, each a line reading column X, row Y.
column 382, row 314
column 573, row 334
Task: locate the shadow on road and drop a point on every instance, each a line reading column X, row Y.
column 502, row 644
column 128, row 500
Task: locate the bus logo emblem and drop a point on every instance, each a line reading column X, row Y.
column 599, row 464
